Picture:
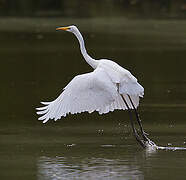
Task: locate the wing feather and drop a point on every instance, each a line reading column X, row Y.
column 131, row 88
column 119, row 104
column 87, row 92
column 129, row 85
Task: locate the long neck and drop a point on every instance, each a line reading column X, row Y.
column 92, row 62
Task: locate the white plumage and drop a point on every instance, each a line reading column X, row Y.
column 99, row 90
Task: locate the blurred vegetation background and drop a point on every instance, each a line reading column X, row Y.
column 94, row 8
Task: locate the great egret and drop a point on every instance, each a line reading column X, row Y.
column 107, row 88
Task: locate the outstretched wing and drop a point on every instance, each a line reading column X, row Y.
column 120, row 104
column 130, row 87
column 87, row 92
column 127, row 86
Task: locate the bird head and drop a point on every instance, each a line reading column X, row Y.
column 67, row 28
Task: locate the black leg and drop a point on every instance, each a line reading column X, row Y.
column 146, row 139
column 141, row 142
column 138, row 119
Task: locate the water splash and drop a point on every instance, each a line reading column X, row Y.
column 171, row 148
column 151, row 146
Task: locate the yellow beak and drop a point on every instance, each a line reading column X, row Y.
column 62, row 28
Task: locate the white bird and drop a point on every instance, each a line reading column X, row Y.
column 107, row 88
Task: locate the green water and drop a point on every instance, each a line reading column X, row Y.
column 37, row 62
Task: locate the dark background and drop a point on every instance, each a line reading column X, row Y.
column 83, row 8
